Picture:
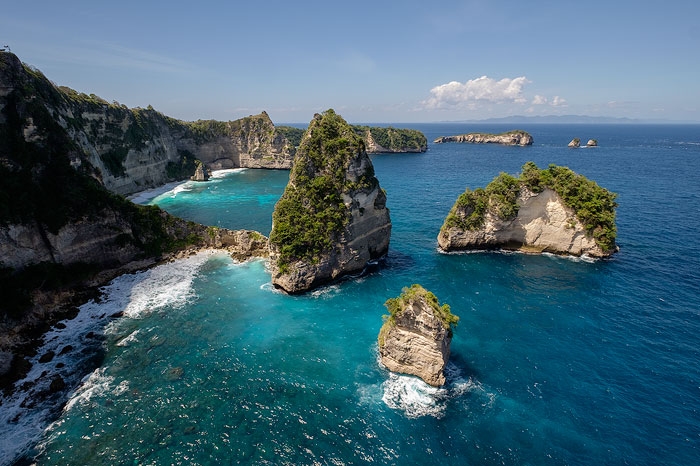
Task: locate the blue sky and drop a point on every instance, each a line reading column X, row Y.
column 372, row 61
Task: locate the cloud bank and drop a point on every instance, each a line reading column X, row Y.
column 479, row 90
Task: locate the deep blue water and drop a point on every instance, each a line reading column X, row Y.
column 555, row 361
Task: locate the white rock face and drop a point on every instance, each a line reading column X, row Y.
column 543, row 224
column 417, row 342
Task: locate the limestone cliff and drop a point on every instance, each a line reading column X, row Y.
column 552, row 210
column 416, row 335
column 61, row 230
column 130, row 150
column 509, row 138
column 332, row 219
column 380, row 140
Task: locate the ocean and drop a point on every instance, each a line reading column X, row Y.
column 555, row 361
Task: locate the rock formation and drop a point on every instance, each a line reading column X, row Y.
column 130, row 150
column 575, row 143
column 332, row 219
column 416, row 335
column 552, row 210
column 200, row 173
column 592, row 143
column 509, row 138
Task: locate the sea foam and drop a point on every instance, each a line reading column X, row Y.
column 28, row 411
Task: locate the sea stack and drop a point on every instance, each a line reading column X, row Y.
column 200, row 172
column 332, row 219
column 592, row 143
column 416, row 335
column 553, row 210
column 575, row 143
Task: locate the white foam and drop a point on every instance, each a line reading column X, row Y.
column 416, row 398
column 218, row 174
column 94, row 384
column 25, row 415
column 169, row 285
column 143, row 197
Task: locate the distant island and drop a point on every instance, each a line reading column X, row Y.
column 508, row 138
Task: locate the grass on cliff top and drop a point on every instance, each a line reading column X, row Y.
column 397, row 305
column 310, row 215
column 593, row 205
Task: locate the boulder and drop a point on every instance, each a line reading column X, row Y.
column 416, row 335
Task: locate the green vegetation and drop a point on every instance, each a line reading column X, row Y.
column 397, row 305
column 594, row 206
column 292, row 134
column 311, row 215
column 185, row 168
column 41, row 188
column 399, row 140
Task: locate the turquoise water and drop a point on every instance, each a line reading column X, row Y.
column 555, row 361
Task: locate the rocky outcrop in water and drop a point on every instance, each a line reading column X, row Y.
column 592, row 143
column 552, row 210
column 200, row 173
column 509, row 138
column 416, row 335
column 332, row 219
column 575, row 143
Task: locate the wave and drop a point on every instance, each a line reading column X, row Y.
column 73, row 346
column 218, row 174
column 144, row 197
column 417, row 399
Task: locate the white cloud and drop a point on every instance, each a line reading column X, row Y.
column 539, row 100
column 483, row 89
column 556, row 101
column 559, row 102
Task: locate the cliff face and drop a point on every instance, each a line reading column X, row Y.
column 332, row 218
column 543, row 224
column 415, row 338
column 130, row 150
column 511, row 138
column 552, row 210
column 61, row 230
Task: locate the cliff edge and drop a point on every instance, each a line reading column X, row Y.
column 416, row 335
column 130, row 150
column 332, row 219
column 553, row 210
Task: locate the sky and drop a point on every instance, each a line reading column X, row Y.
column 376, row 61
